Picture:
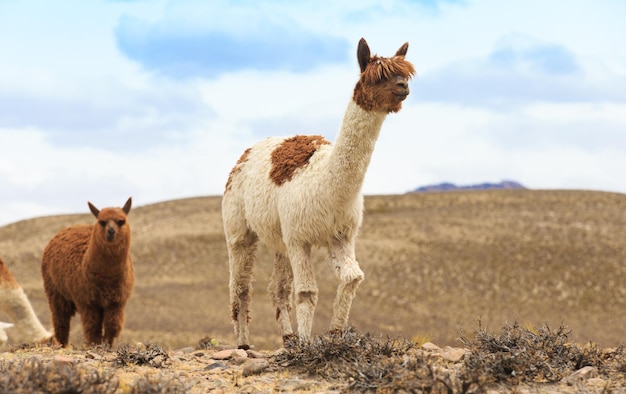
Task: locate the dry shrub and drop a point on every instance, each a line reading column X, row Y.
column 33, row 375
column 151, row 355
column 160, row 384
column 369, row 363
column 544, row 355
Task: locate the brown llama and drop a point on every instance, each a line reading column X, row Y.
column 301, row 192
column 88, row 269
column 15, row 304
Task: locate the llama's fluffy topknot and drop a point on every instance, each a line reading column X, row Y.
column 383, row 68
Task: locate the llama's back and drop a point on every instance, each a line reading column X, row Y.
column 63, row 256
column 268, row 192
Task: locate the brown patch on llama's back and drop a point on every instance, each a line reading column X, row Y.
column 293, row 153
column 7, row 280
column 237, row 168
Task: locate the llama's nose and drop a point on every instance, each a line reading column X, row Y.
column 110, row 233
column 402, row 85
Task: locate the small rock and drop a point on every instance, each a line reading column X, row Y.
column 453, row 354
column 431, row 346
column 229, row 353
column 255, row 366
column 215, row 366
column 185, row 350
column 255, row 354
column 63, row 360
column 582, row 374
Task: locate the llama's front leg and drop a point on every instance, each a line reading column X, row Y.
column 281, row 293
column 92, row 316
column 113, row 322
column 241, row 257
column 305, row 288
column 350, row 275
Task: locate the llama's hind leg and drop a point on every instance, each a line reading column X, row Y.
column 306, row 290
column 241, row 257
column 62, row 311
column 281, row 293
column 350, row 275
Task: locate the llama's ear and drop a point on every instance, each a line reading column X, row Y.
column 129, row 202
column 402, row 50
column 363, row 54
column 93, row 209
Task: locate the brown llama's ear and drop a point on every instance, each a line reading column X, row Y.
column 402, row 50
column 93, row 209
column 126, row 208
column 363, row 54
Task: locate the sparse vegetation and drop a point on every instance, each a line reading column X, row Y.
column 32, row 375
column 543, row 258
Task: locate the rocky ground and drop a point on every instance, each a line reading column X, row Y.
column 515, row 361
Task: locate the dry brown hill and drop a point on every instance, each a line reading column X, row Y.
column 434, row 264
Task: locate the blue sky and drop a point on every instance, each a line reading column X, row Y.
column 102, row 100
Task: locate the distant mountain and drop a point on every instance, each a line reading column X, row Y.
column 447, row 186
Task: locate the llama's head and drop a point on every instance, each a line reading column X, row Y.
column 384, row 81
column 112, row 222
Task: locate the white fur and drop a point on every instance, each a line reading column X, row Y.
column 318, row 205
column 321, row 206
column 28, row 328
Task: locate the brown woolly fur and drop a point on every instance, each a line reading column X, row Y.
column 7, row 280
column 237, row 167
column 380, row 75
column 292, row 154
column 88, row 269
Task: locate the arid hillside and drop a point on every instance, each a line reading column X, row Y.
column 435, row 263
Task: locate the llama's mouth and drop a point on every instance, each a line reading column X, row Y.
column 402, row 96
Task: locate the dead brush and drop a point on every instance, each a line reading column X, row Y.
column 32, row 375
column 521, row 355
column 334, row 354
column 151, row 355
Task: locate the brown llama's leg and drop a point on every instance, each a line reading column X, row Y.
column 92, row 317
column 305, row 287
column 113, row 323
column 281, row 293
column 62, row 311
column 350, row 274
column 241, row 258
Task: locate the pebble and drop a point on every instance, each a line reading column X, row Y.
column 255, row 354
column 453, row 354
column 215, row 366
column 58, row 359
column 582, row 374
column 255, row 366
column 229, row 353
column 431, row 346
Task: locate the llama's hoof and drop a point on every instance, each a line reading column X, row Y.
column 243, row 347
column 290, row 340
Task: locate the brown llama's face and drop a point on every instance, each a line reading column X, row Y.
column 111, row 221
column 384, row 82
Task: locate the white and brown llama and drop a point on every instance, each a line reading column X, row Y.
column 25, row 325
column 302, row 192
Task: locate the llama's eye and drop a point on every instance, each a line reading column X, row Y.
column 121, row 222
column 102, row 222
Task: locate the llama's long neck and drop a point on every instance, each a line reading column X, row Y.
column 15, row 304
column 352, row 151
column 104, row 259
